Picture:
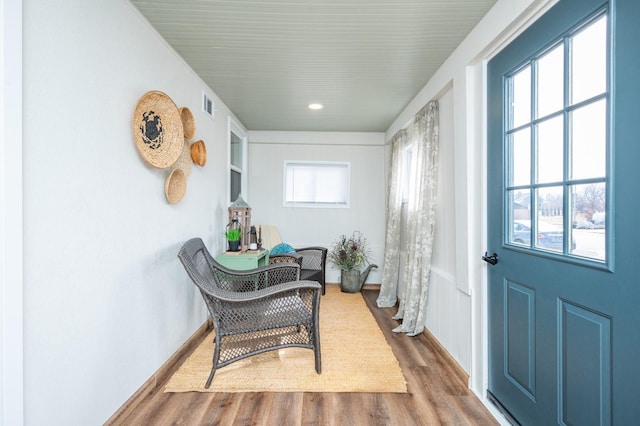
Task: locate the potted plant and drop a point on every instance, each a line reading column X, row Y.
column 233, row 236
column 351, row 254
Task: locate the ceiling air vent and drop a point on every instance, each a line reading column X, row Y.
column 207, row 105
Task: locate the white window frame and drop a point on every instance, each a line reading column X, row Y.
column 320, row 164
column 239, row 132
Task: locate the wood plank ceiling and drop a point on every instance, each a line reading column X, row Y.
column 364, row 60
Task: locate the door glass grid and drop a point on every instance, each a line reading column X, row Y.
column 557, row 136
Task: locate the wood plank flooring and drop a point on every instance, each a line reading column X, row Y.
column 436, row 396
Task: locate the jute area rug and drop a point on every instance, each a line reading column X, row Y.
column 355, row 358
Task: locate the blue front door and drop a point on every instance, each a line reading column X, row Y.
column 563, row 165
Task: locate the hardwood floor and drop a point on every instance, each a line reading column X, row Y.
column 436, row 396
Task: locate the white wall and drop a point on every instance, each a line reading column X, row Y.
column 11, row 259
column 106, row 301
column 320, row 226
column 448, row 308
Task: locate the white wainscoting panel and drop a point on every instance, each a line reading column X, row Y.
column 449, row 316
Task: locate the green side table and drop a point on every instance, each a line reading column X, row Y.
column 244, row 261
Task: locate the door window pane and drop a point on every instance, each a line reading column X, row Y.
column 588, row 204
column 550, row 148
column 550, row 219
column 550, row 82
column 520, row 108
column 589, row 61
column 519, row 217
column 520, row 157
column 589, row 141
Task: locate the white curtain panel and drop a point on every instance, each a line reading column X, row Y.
column 421, row 218
column 391, row 264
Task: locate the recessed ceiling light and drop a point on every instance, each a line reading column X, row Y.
column 315, row 106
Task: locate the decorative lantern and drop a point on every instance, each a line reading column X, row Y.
column 240, row 211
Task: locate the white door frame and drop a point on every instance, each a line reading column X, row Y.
column 11, row 229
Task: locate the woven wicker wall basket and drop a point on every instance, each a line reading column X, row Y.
column 199, row 153
column 175, row 186
column 157, row 129
column 188, row 122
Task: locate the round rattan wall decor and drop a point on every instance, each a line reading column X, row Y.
column 199, row 153
column 175, row 186
column 188, row 122
column 157, row 129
